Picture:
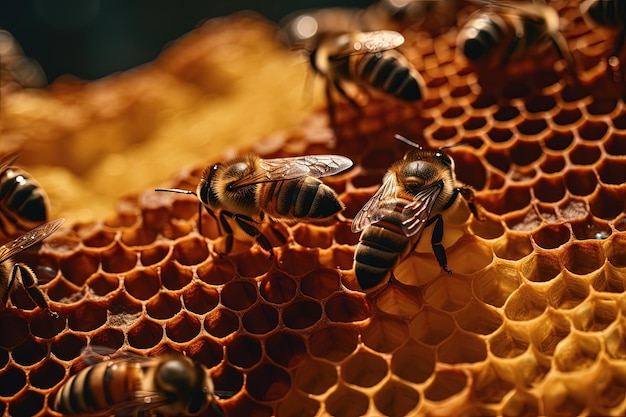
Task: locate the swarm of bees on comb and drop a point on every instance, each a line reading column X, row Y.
column 445, row 237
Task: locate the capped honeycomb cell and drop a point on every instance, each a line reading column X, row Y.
column 530, row 321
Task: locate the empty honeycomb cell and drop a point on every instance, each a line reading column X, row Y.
column 118, row 259
column 452, row 112
column 333, row 342
column 601, row 107
column 507, row 114
column 474, row 123
column 29, row 352
column 549, row 332
column 591, row 229
column 301, row 314
column 488, row 228
column 615, row 341
column 595, row 315
column 431, row 326
column 540, row 104
column 312, row 236
column 175, row 276
column 347, row 402
column 320, row 283
column 607, row 203
column 347, row 308
column 244, row 351
column 449, row 293
column 142, row 283
column 551, row 236
column 153, row 254
column 445, row 384
column 508, row 200
column 182, row 328
column 509, row 342
column 100, row 239
column 190, row 251
column 277, row 288
column 396, row 300
column 216, row 271
column 14, row 331
column 593, row 130
column 619, row 121
column 484, row 101
column 512, row 246
column 541, row 266
column 67, row 346
column 525, row 153
column 444, row 133
column 296, row 404
column 27, row 403
column 221, row 322
column 108, row 338
column 12, row 380
column 612, row 170
column 567, row 117
column 526, row 303
column 576, row 352
column 499, row 135
column 80, row 265
column 612, row 394
column 549, row 189
column 615, row 144
column 206, row 351
column 315, row 377
column 99, row 284
column 533, row 128
column 496, row 283
column 581, row 182
column 490, row 319
column 616, row 252
column 583, row 257
column 561, row 400
column 87, row 316
column 384, row 334
column 460, row 91
column 343, row 234
column 47, row 374
column 584, row 154
column 413, row 362
column 491, row 387
column 297, row 261
column 559, row 141
column 521, row 404
column 286, row 349
column 567, row 292
column 200, row 298
column 41, row 325
column 145, row 334
column 552, row 164
column 396, row 399
column 474, row 348
column 470, row 169
column 4, row 358
column 138, row 237
column 163, row 306
column 260, row 319
column 364, row 369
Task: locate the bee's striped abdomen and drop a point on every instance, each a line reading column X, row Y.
column 390, row 73
column 23, row 204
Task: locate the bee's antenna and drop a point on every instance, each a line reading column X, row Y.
column 175, row 190
column 454, row 145
column 407, row 141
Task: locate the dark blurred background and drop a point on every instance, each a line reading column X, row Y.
column 93, row 38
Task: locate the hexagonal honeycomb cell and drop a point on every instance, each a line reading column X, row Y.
column 530, row 322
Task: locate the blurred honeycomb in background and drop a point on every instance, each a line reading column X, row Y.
column 532, row 322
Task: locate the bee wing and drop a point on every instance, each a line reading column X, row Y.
column 371, row 42
column 416, row 213
column 280, row 169
column 95, row 353
column 381, row 204
column 29, row 239
column 8, row 161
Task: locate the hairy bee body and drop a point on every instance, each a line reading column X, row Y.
column 414, row 193
column 169, row 384
column 341, row 59
column 23, row 203
column 508, row 30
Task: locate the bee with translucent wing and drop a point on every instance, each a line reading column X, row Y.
column 285, row 189
column 12, row 272
column 414, row 193
column 503, row 30
column 23, row 202
column 129, row 384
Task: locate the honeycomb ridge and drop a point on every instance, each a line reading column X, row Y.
column 532, row 322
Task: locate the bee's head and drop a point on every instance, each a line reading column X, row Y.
column 205, row 191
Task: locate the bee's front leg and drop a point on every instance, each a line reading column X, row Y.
column 435, row 241
column 29, row 281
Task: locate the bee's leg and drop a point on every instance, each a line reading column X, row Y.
column 468, row 195
column 5, row 296
column 212, row 214
column 29, row 281
column 509, row 51
column 222, row 224
column 350, row 99
column 435, row 241
column 248, row 225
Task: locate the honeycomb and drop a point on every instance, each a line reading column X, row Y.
column 531, row 322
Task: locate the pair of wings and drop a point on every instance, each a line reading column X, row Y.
column 29, row 239
column 384, row 201
column 281, row 169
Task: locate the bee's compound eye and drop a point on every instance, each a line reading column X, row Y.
column 236, row 170
column 444, row 158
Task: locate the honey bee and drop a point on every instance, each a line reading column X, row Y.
column 504, row 30
column 23, row 202
column 368, row 60
column 285, row 189
column 415, row 192
column 130, row 384
column 611, row 15
column 11, row 271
